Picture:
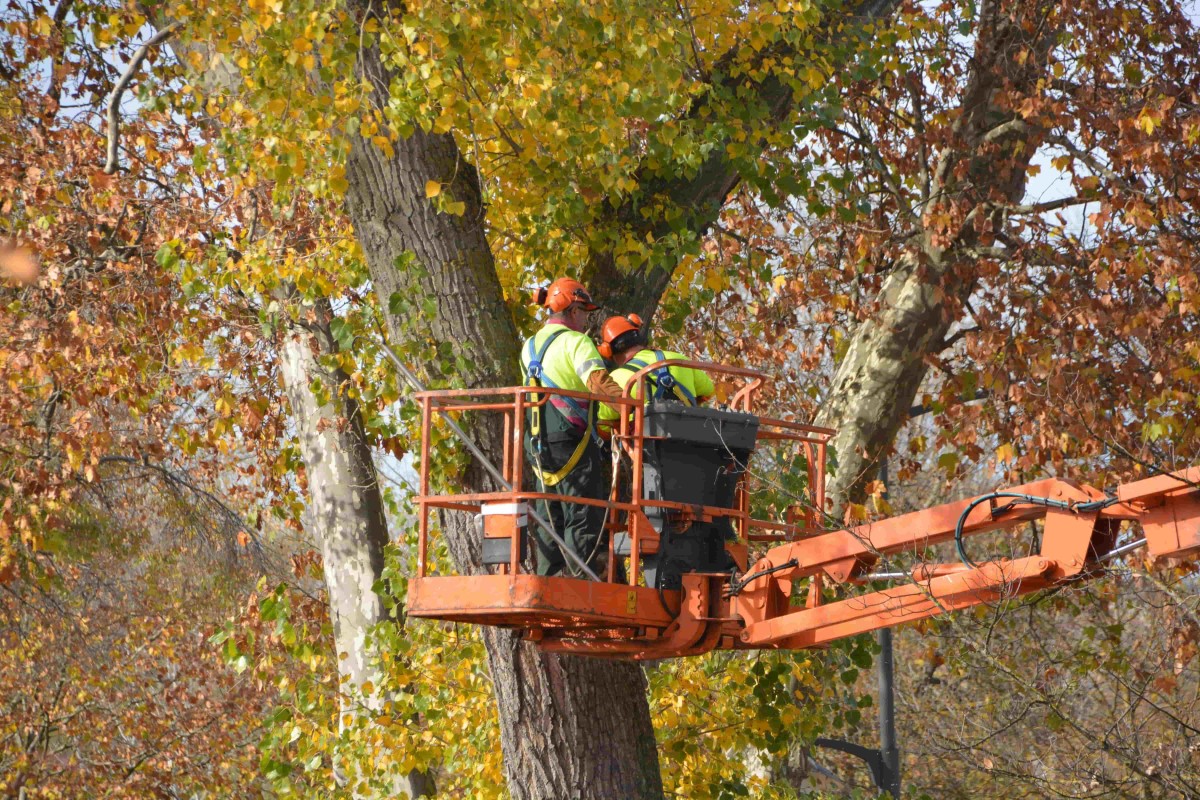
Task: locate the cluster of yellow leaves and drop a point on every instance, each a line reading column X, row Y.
column 563, row 110
column 722, row 719
column 432, row 711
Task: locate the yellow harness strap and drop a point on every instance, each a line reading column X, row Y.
column 534, row 379
column 552, row 478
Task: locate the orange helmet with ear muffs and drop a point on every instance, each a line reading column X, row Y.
column 615, row 328
column 562, row 294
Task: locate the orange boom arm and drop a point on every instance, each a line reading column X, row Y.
column 1080, row 530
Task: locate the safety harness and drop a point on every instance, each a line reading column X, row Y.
column 535, row 375
column 662, row 381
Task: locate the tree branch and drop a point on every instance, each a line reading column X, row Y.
column 701, row 194
column 114, row 100
column 1049, row 205
column 953, row 338
column 54, row 90
column 1013, row 127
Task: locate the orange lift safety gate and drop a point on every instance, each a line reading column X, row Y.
column 760, row 604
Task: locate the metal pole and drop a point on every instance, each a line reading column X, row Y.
column 887, row 715
column 883, row 763
column 887, row 707
column 487, row 464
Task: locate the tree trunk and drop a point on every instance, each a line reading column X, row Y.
column 981, row 172
column 345, row 507
column 345, row 513
column 570, row 727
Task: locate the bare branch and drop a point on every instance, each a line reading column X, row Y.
column 54, row 90
column 1013, row 127
column 114, row 100
column 1049, row 205
column 953, row 338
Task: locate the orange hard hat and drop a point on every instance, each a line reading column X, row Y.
column 562, row 294
column 616, row 327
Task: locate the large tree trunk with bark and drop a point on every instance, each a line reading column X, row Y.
column 570, row 727
column 345, row 512
column 980, row 173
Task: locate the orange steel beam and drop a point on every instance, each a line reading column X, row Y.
column 840, row 553
column 907, row 603
column 1167, row 507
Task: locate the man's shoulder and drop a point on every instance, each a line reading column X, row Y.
column 560, row 332
column 569, row 347
column 650, row 356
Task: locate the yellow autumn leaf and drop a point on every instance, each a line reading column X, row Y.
column 432, row 189
column 1004, row 453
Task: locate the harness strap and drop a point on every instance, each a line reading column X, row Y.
column 535, row 375
column 662, row 379
column 553, row 478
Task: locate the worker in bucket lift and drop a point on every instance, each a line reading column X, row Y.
column 561, row 441
column 623, row 341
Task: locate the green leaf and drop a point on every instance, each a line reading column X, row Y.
column 166, row 256
column 343, row 334
column 948, row 461
column 861, row 658
column 397, row 304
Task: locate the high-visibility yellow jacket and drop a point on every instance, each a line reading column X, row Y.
column 691, row 385
column 567, row 357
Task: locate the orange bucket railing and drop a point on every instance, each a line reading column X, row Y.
column 629, row 437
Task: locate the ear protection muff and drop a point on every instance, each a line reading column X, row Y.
column 614, row 328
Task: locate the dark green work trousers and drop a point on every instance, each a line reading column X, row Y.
column 580, row 526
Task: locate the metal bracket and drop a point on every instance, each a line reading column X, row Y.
column 881, row 773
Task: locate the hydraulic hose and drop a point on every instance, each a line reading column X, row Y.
column 1017, row 499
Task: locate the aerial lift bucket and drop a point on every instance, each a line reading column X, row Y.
column 689, row 586
column 696, row 457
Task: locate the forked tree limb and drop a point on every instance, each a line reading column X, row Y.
column 111, row 163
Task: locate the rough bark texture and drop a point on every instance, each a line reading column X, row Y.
column 982, row 172
column 345, row 509
column 570, row 727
